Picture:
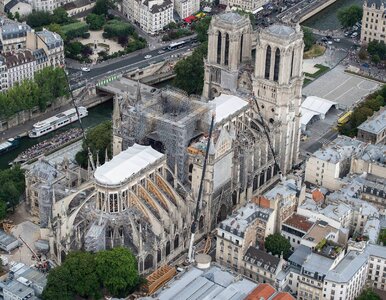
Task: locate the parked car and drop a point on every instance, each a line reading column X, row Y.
column 148, row 56
column 354, row 34
column 85, row 69
column 337, row 40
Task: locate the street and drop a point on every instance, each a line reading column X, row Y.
column 78, row 79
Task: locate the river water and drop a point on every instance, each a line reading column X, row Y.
column 95, row 116
column 327, row 19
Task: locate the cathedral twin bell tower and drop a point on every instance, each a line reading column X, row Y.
column 274, row 78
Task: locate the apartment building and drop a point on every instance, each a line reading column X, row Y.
column 373, row 130
column 328, row 165
column 51, row 43
column 186, row 8
column 295, row 228
column 151, row 15
column 13, row 35
column 19, row 66
column 247, row 226
column 261, row 266
column 374, row 21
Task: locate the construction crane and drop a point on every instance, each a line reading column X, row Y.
column 198, row 205
column 42, row 266
column 267, row 135
column 83, row 93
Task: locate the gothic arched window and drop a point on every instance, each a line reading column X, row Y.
column 267, row 62
column 226, row 60
column 277, row 65
column 219, row 40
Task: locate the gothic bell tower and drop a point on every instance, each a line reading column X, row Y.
column 277, row 86
column 229, row 45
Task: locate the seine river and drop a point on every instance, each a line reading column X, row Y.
column 327, row 19
column 95, row 116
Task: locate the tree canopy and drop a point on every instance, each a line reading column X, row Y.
column 368, row 294
column 376, row 48
column 12, row 187
column 190, row 71
column 48, row 84
column 349, row 16
column 116, row 28
column 117, row 270
column 308, row 38
column 74, row 30
column 372, row 103
column 277, row 244
column 95, row 21
column 98, row 139
column 38, row 19
column 102, row 7
column 201, row 28
column 85, row 274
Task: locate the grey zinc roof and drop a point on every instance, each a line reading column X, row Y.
column 375, row 124
column 347, row 267
column 280, row 30
column 376, row 250
column 238, row 222
column 377, row 3
column 19, row 290
column 51, row 39
column 300, row 255
column 262, row 259
column 11, row 29
column 316, row 263
column 210, row 284
column 6, row 239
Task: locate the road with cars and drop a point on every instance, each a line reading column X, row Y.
column 79, row 78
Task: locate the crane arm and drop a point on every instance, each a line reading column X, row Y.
column 198, row 204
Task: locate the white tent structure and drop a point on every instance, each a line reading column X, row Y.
column 314, row 108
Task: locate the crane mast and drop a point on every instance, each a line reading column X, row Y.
column 198, row 205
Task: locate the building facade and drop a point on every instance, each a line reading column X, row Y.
column 186, row 8
column 151, row 15
column 373, row 21
column 373, row 130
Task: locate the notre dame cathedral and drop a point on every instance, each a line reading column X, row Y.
column 253, row 80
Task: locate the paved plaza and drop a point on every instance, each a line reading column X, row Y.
column 341, row 87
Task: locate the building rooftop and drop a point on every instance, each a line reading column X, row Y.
column 239, row 221
column 18, row 58
column 347, row 267
column 316, row 263
column 375, row 124
column 282, row 296
column 263, row 291
column 11, row 29
column 286, row 189
column 377, row 3
column 319, row 231
column 126, row 164
column 51, row 39
column 227, row 105
column 376, row 250
column 213, row 283
column 19, row 290
column 299, row 222
column 262, row 259
column 300, row 255
column 6, row 240
column 338, row 150
column 280, row 30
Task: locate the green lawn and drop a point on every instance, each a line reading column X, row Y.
column 320, row 72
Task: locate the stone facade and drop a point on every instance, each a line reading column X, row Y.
column 373, row 21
